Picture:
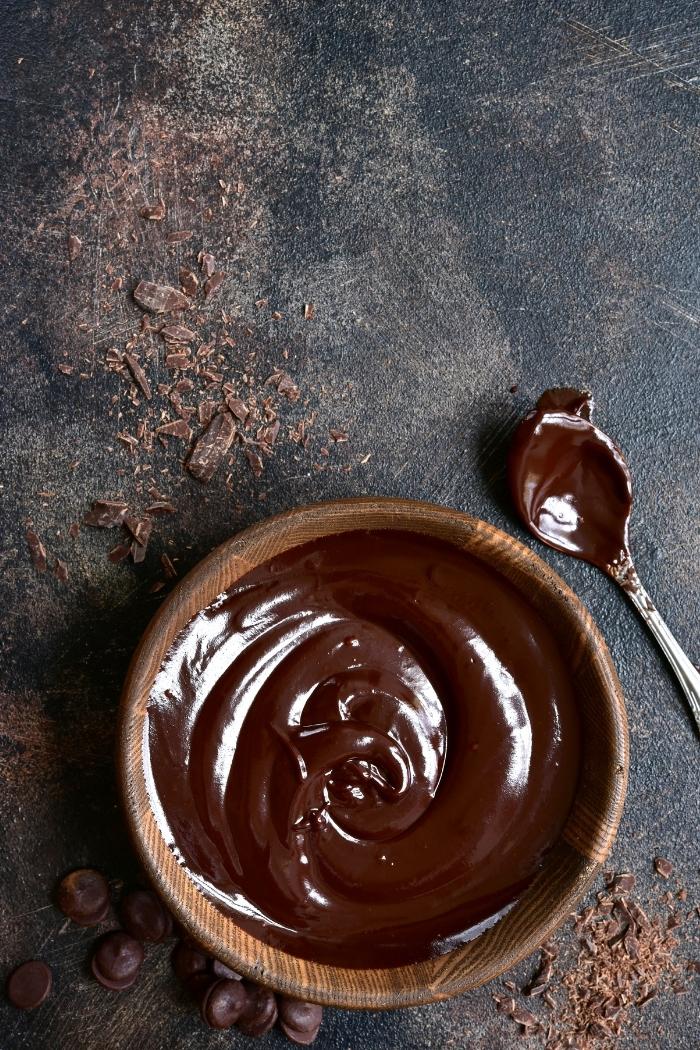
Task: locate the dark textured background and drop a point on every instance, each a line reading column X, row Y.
column 475, row 196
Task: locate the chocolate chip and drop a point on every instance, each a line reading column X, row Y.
column 223, row 1003
column 299, row 1021
column 29, row 985
column 144, row 916
column 83, row 896
column 117, row 960
column 188, row 961
column 219, row 969
column 260, row 1011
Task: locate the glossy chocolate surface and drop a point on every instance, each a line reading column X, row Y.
column 364, row 749
column 569, row 481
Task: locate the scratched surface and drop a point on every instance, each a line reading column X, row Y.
column 475, row 196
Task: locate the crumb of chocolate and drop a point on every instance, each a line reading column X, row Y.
column 255, row 462
column 160, row 507
column 664, row 868
column 213, row 283
column 207, row 263
column 178, row 236
column 309, row 311
column 338, row 435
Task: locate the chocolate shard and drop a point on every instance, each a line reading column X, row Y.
column 154, row 212
column 139, row 375
column 211, row 447
column 119, row 553
column 256, row 463
column 285, row 385
column 177, row 333
column 37, row 551
column 178, row 236
column 60, row 571
column 213, row 283
column 177, row 428
column 105, row 514
column 189, row 281
column 160, row 298
column 208, row 263
column 623, row 883
column 238, row 407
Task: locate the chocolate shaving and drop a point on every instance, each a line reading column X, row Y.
column 154, row 212
column 159, row 298
column 177, row 333
column 75, row 246
column 664, row 868
column 177, row 428
column 211, row 447
column 105, row 514
column 37, row 551
column 139, row 375
column 213, row 283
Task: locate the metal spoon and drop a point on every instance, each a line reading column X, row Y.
column 573, row 490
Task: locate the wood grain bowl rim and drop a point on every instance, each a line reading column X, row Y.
column 568, row 870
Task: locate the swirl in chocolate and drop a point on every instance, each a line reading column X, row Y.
column 364, row 749
column 570, row 483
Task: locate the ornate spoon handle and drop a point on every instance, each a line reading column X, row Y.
column 686, row 673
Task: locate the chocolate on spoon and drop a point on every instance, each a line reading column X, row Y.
column 573, row 490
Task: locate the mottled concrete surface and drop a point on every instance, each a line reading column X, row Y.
column 476, row 196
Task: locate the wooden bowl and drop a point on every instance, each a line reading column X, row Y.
column 569, row 868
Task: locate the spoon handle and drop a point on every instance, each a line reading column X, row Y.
column 686, row 673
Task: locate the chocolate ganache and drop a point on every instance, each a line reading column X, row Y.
column 364, row 749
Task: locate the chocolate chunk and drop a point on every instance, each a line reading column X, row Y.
column 105, row 514
column 29, row 985
column 159, row 298
column 338, row 435
column 174, row 361
column 37, row 551
column 178, row 236
column 220, row 969
column 144, row 916
column 664, row 868
column 188, row 961
column 117, row 960
column 211, row 447
column 140, row 528
column 177, row 333
column 623, row 883
column 299, row 1021
column 139, row 375
column 75, row 246
column 154, row 212
column 223, row 1003
column 213, row 283
column 189, row 282
column 260, row 1010
column 83, row 895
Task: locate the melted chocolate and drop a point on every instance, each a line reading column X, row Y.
column 570, row 483
column 364, row 749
